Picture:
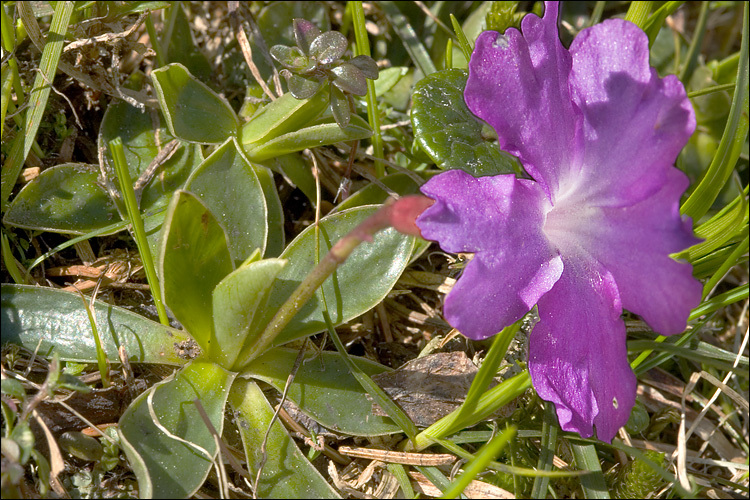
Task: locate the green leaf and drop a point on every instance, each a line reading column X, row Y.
column 374, row 390
column 166, row 467
column 328, row 47
column 143, row 135
column 449, row 133
column 194, row 258
column 236, row 300
column 322, row 133
column 275, row 212
column 301, row 87
column 350, row 79
column 593, row 484
column 296, row 171
column 727, row 226
column 367, row 66
column 378, row 264
column 194, row 112
column 732, row 141
column 388, row 78
column 226, row 183
column 304, row 33
column 290, row 57
column 182, row 48
column 408, row 36
column 325, row 389
column 340, row 107
column 63, row 199
column 142, row 140
column 55, row 320
column 286, row 472
column 285, row 114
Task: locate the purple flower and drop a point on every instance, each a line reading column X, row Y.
column 598, row 131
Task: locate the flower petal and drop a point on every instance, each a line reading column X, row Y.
column 577, row 352
column 499, row 219
column 634, row 244
column 634, row 123
column 519, row 85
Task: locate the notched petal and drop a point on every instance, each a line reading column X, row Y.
column 500, row 220
column 578, row 354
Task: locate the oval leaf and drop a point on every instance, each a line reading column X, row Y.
column 350, row 79
column 367, row 66
column 169, row 468
column 285, row 114
column 235, row 302
column 194, row 258
column 325, row 389
column 194, row 112
column 290, row 57
column 328, row 47
column 302, row 87
column 304, row 33
column 63, row 199
column 228, row 186
column 56, row 321
column 325, row 132
column 448, row 132
column 143, row 136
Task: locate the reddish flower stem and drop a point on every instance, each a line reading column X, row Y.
column 400, row 214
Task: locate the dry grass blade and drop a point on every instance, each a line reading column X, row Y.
column 399, row 457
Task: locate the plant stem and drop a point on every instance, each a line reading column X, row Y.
column 400, row 214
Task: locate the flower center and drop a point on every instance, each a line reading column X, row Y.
column 569, row 223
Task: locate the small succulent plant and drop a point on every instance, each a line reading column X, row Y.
column 317, row 61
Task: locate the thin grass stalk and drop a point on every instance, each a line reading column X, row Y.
column 408, row 36
column 362, row 48
column 485, row 455
column 131, row 205
column 489, row 368
column 695, row 44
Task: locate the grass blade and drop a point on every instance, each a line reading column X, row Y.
column 37, row 97
column 363, row 49
column 593, row 484
column 131, row 205
column 732, row 140
column 485, row 455
column 406, row 33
